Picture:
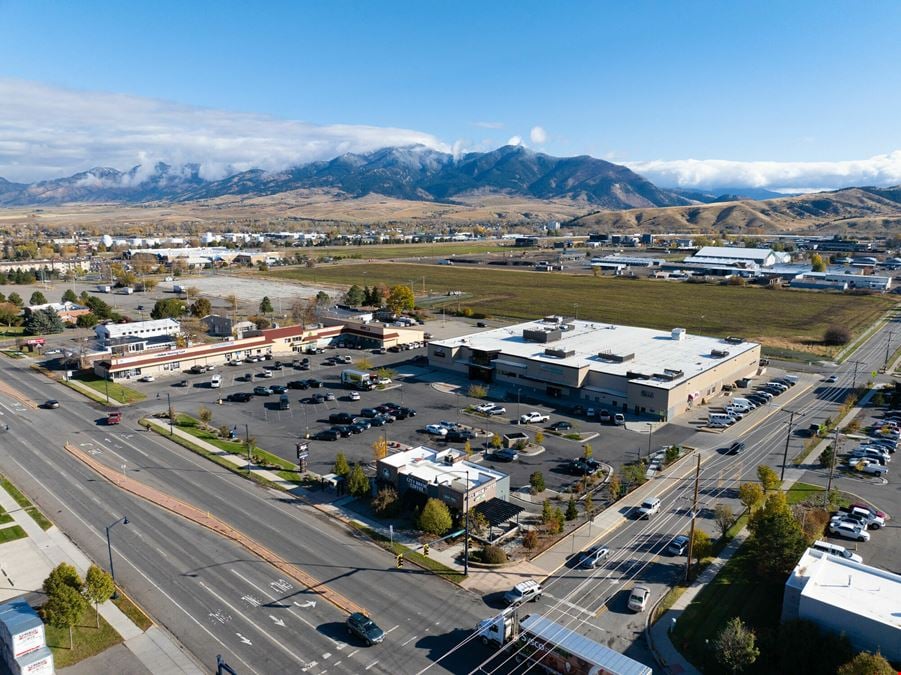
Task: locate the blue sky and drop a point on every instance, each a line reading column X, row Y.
column 780, row 93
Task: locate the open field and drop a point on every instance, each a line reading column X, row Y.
column 782, row 317
column 437, row 250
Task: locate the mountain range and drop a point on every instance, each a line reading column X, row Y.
column 412, row 173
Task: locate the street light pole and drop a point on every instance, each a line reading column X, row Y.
column 109, row 548
column 466, row 534
column 169, row 401
column 888, row 344
column 788, row 434
column 247, row 443
column 650, row 436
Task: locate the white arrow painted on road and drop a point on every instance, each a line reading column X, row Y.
column 278, row 622
column 243, row 639
column 308, row 603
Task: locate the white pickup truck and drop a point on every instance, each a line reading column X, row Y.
column 533, row 417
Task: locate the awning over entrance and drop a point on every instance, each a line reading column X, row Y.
column 497, row 511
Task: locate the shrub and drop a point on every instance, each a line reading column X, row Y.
column 836, row 335
column 536, row 482
column 435, row 517
column 385, row 501
column 530, row 539
column 571, row 511
column 494, row 555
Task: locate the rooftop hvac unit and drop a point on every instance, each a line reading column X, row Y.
column 733, row 340
column 559, row 353
column 615, row 358
column 678, row 334
column 719, row 353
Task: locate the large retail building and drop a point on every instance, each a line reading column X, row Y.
column 620, row 368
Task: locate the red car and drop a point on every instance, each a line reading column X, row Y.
column 114, row 417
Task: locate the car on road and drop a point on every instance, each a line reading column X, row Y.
column 436, row 430
column 849, row 530
column 638, row 598
column 326, row 435
column 147, row 378
column 533, row 417
column 114, row 417
column 736, row 448
column 506, row 455
column 364, row 628
column 619, row 419
column 562, row 425
column 678, row 545
column 831, row 379
column 524, row 591
column 593, row 557
column 239, row 397
column 649, row 507
column 51, row 404
column 261, row 391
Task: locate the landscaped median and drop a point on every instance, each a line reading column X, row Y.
column 26, row 505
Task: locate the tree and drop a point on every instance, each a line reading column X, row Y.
column 354, row 296
column 614, row 486
column 323, row 299
column 380, row 448
column 836, row 335
column 768, row 477
column 867, row 664
column 826, row 457
column 724, row 518
column 232, row 301
column 539, row 437
column 169, row 308
column 205, row 415
column 587, row 451
column 266, row 305
column 86, row 320
column 9, row 313
column 435, row 517
column 735, row 646
column 63, row 608
column 43, row 322
column 98, row 588
column 777, row 539
column 16, row 299
column 357, row 482
column 467, row 448
column 385, row 501
column 701, row 545
column 400, row 299
column 98, row 307
column 37, row 298
column 341, row 468
column 817, row 264
column 750, row 494
column 536, row 482
column 496, row 442
column 201, row 308
column 63, row 574
column 547, row 512
column 69, row 296
column 572, row 512
column 150, row 284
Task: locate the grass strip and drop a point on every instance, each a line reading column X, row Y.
column 409, row 554
column 132, row 611
column 120, row 392
column 189, row 425
column 5, row 518
column 12, row 533
column 13, row 491
column 39, row 517
column 87, row 639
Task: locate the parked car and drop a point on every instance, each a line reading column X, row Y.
column 497, row 410
column 849, row 530
column 361, row 425
column 278, row 389
column 147, row 378
column 584, row 467
column 297, row 384
column 459, row 435
column 619, row 419
column 869, row 466
column 329, row 396
column 562, row 425
column 593, row 557
column 678, row 545
column 402, row 413
column 606, row 417
column 239, row 397
column 484, row 407
column 378, row 420
column 266, row 373
column 867, row 507
column 354, row 396
column 436, row 430
column 344, row 430
column 341, row 418
column 638, row 598
column 533, row 417
column 327, row 435
column 369, row 412
column 261, row 391
column 365, row 628
column 524, row 591
column 314, row 383
column 506, row 455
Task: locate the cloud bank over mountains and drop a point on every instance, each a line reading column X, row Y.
column 49, row 132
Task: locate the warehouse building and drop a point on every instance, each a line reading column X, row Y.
column 843, row 596
column 736, row 256
column 620, row 368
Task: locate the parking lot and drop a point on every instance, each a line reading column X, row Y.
column 435, row 395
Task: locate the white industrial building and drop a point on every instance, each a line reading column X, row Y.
column 841, row 281
column 735, row 256
column 643, row 371
column 142, row 329
column 843, row 596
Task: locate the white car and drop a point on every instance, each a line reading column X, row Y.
column 266, row 373
column 869, row 466
column 533, row 417
column 384, row 380
column 849, row 529
column 497, row 410
column 638, row 598
column 147, row 378
column 831, row 379
column 484, row 407
column 436, row 430
column 354, row 396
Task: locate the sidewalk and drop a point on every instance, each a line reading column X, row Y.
column 659, row 633
column 155, row 649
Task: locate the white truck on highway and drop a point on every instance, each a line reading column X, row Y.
column 554, row 648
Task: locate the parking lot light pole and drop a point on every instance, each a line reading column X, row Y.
column 832, row 462
column 109, row 548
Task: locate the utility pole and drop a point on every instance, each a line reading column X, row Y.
column 694, row 511
column 832, row 463
column 888, row 344
column 788, row 436
column 854, row 383
column 171, row 412
column 247, row 443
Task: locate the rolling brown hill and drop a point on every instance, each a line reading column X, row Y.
column 866, row 210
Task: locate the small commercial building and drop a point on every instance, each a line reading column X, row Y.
column 142, row 329
column 842, row 281
column 843, row 596
column 67, row 311
column 622, row 368
column 445, row 475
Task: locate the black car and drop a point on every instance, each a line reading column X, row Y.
column 326, row 435
column 363, row 424
column 369, row 412
column 384, row 408
column 239, row 397
column 314, row 383
column 344, row 430
column 403, row 413
column 584, row 467
column 560, row 426
column 278, row 389
column 378, row 421
column 341, row 418
column 298, row 384
column 365, row 629
column 736, row 448
column 316, row 398
column 459, row 435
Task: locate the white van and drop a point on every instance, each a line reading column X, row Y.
column 216, row 381
column 719, row 420
column 836, row 550
column 743, row 403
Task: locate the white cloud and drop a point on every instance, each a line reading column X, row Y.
column 880, row 170
column 514, row 140
column 538, row 135
column 488, row 125
column 48, row 132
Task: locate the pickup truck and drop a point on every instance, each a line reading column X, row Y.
column 533, row 417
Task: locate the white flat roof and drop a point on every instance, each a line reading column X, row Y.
column 857, row 588
column 654, row 350
column 733, row 252
column 426, row 464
